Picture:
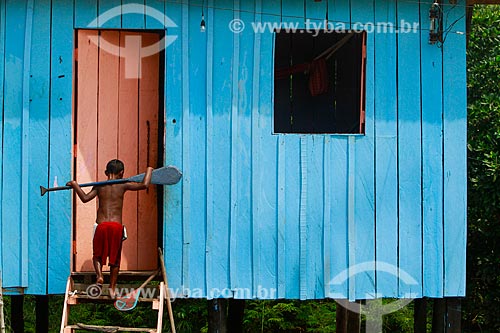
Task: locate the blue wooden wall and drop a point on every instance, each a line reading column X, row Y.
column 256, row 214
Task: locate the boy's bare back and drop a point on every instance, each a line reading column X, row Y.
column 110, row 205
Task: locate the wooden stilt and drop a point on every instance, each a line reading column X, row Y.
column 217, row 315
column 17, row 313
column 2, row 318
column 420, row 316
column 453, row 315
column 354, row 320
column 348, row 321
column 42, row 313
column 438, row 315
column 235, row 313
column 341, row 319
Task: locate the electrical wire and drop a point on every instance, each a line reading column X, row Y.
column 183, row 2
column 282, row 16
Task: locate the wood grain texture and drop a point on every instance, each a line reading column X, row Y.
column 86, row 138
column 148, row 155
column 38, row 150
column 60, row 145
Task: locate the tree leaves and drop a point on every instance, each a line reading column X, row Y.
column 483, row 74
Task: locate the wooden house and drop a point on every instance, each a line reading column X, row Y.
column 313, row 167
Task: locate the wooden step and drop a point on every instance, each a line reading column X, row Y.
column 96, row 328
column 122, row 274
column 83, row 286
column 77, row 299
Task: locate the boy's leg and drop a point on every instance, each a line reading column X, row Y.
column 112, row 281
column 98, row 270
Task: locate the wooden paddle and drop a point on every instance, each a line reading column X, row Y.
column 129, row 301
column 168, row 175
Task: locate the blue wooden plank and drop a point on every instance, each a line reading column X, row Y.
column 303, row 217
column 336, row 239
column 292, row 11
column 221, row 163
column 432, row 164
column 281, row 218
column 336, row 242
column 2, row 78
column 264, row 183
column 364, row 243
column 235, row 158
column 39, row 145
column 241, row 220
column 60, row 156
column 386, row 196
column 282, row 237
column 197, row 150
column 455, row 156
column 293, row 14
column 351, row 221
column 339, row 13
column 12, row 144
column 110, row 14
column 154, row 10
column 291, row 150
column 292, row 213
column 173, row 154
column 409, row 154
column 186, row 195
column 25, row 142
column 85, row 14
column 315, row 222
column 209, row 149
column 133, row 14
column 255, row 147
column 327, row 216
column 315, row 12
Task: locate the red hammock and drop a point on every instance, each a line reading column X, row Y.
column 317, row 69
column 318, row 75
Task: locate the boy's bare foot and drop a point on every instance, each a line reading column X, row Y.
column 100, row 281
column 112, row 294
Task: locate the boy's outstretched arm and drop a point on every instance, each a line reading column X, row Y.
column 145, row 182
column 85, row 197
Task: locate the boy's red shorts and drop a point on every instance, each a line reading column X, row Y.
column 108, row 243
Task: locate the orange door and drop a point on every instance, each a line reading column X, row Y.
column 116, row 116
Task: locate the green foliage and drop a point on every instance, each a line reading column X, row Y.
column 290, row 316
column 483, row 280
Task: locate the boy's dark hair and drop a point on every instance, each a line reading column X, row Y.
column 114, row 167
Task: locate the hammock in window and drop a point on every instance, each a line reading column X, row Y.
column 317, row 69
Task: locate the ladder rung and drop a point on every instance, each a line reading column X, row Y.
column 109, row 328
column 105, row 298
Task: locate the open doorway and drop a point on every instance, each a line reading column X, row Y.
column 118, row 113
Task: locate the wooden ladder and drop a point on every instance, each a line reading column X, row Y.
column 78, row 293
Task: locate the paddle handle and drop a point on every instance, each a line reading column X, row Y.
column 44, row 190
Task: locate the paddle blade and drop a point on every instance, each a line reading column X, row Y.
column 43, row 190
column 168, row 175
column 127, row 302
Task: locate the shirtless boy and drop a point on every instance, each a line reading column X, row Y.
column 109, row 232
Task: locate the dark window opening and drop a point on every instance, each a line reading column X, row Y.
column 319, row 82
